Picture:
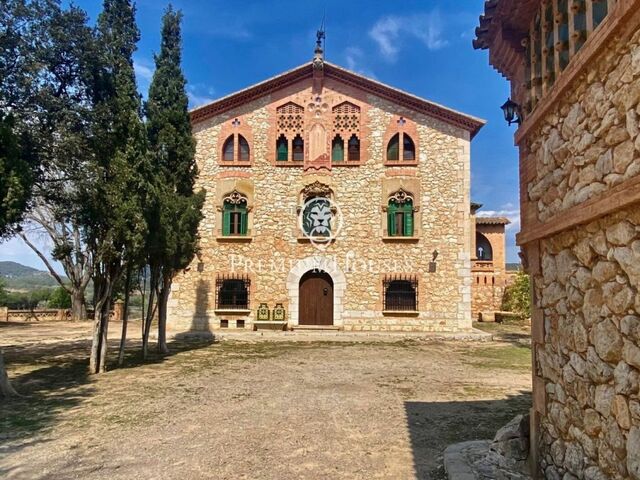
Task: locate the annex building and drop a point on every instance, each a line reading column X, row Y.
column 332, row 201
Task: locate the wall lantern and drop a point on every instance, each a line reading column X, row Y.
column 433, row 266
column 511, row 112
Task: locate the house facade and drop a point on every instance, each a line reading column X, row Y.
column 332, row 201
column 489, row 275
column 574, row 68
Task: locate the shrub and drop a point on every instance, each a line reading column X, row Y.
column 517, row 297
column 60, row 298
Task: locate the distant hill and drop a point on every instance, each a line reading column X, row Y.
column 16, row 276
column 513, row 267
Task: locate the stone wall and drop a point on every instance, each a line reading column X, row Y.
column 487, row 292
column 589, row 142
column 590, row 360
column 586, row 315
column 360, row 254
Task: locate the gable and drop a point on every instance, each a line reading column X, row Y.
column 366, row 85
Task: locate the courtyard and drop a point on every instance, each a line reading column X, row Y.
column 250, row 406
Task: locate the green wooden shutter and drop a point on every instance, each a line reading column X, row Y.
column 337, row 154
column 244, row 219
column 226, row 221
column 391, row 219
column 407, row 209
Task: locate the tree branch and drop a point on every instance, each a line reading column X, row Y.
column 44, row 259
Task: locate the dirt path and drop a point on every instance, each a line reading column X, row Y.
column 253, row 409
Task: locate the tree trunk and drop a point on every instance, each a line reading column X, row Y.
column 78, row 305
column 6, row 390
column 150, row 313
column 125, row 317
column 102, row 295
column 162, row 313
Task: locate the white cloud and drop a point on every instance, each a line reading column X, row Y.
column 143, row 69
column 354, row 57
column 200, row 95
column 389, row 32
column 507, row 211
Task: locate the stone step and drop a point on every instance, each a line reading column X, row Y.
column 330, row 328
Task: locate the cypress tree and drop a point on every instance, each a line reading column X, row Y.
column 175, row 213
column 114, row 222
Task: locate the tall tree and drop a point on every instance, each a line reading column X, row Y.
column 114, row 223
column 174, row 215
column 65, row 108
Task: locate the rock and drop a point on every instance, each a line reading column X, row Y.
column 614, row 438
column 592, row 422
column 630, row 326
column 620, row 301
column 632, row 123
column 629, row 260
column 599, row 243
column 598, row 370
column 575, row 116
column 604, row 399
column 634, row 410
column 604, row 164
column 584, row 253
column 616, row 135
column 552, row 294
column 631, row 354
column 620, row 409
column 548, row 268
column 633, row 453
column 594, row 473
column 578, row 364
column 621, row 233
column 583, row 279
column 623, row 155
column 566, row 265
column 593, row 302
column 607, row 341
column 626, row 379
column 557, row 451
column 604, row 271
column 574, row 459
column 580, row 336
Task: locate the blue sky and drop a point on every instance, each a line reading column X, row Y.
column 423, row 47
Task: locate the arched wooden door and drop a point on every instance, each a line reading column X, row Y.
column 316, row 299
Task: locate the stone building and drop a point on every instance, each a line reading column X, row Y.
column 332, row 201
column 574, row 68
column 489, row 275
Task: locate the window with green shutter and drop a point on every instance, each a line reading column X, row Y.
column 282, row 149
column 400, row 215
column 235, row 215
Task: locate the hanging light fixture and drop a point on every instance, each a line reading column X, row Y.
column 511, row 112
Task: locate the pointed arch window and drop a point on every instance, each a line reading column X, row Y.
column 235, row 215
column 393, row 148
column 282, row 149
column 354, row 148
column 400, row 215
column 298, row 149
column 244, row 149
column 337, row 149
column 228, row 150
column 408, row 148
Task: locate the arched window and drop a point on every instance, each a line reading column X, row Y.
column 400, row 293
column 298, row 149
column 393, row 148
column 400, row 215
column 228, row 150
column 243, row 146
column 409, row 148
column 484, row 252
column 235, row 215
column 282, row 149
column 354, row 149
column 337, row 149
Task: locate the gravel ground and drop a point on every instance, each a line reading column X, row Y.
column 301, row 407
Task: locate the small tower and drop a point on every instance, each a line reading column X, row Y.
column 318, row 61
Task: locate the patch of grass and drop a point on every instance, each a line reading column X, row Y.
column 509, row 357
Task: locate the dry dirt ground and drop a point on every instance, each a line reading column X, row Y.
column 248, row 407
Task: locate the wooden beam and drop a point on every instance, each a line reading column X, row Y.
column 617, row 198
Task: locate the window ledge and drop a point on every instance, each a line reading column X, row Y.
column 232, row 311
column 400, row 239
column 282, row 163
column 401, row 313
column 235, row 164
column 400, row 163
column 234, row 238
column 348, row 163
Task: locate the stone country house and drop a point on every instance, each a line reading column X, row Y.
column 574, row 68
column 332, row 201
column 490, row 277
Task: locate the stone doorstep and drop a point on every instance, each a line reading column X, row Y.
column 472, row 461
column 316, row 327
